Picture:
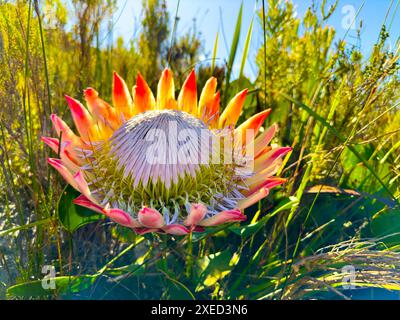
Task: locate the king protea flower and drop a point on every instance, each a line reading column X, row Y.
column 109, row 162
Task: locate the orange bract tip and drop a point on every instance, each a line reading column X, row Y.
column 166, row 91
column 212, row 111
column 253, row 198
column 176, row 229
column 207, row 97
column 83, row 186
column 141, row 85
column 76, row 107
column 223, row 217
column 187, row 100
column 81, row 200
column 262, row 141
column 121, row 217
column 82, row 118
column 254, row 123
column 65, row 173
column 197, row 213
column 150, row 218
column 62, row 128
column 53, row 143
column 190, row 82
column 105, row 115
column 122, row 100
column 268, row 158
column 263, row 173
column 90, row 93
column 143, row 98
column 268, row 183
column 233, row 110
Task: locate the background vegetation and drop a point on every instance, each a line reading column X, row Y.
column 338, row 109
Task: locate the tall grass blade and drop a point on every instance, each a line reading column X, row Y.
column 233, row 50
column 246, row 49
column 214, row 56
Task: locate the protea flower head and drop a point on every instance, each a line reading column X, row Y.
column 160, row 164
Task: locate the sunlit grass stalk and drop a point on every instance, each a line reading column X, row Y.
column 48, row 110
column 232, row 52
column 46, row 71
column 214, row 56
column 246, row 49
column 35, row 256
column 189, row 256
column 7, row 166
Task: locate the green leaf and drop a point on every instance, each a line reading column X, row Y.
column 210, row 231
column 133, row 269
column 176, row 289
column 251, row 229
column 240, row 84
column 356, row 175
column 123, row 234
column 62, row 285
column 387, row 224
column 71, row 216
column 215, row 267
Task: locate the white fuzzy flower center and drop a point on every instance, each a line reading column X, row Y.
column 161, row 146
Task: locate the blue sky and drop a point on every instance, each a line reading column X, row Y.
column 211, row 15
